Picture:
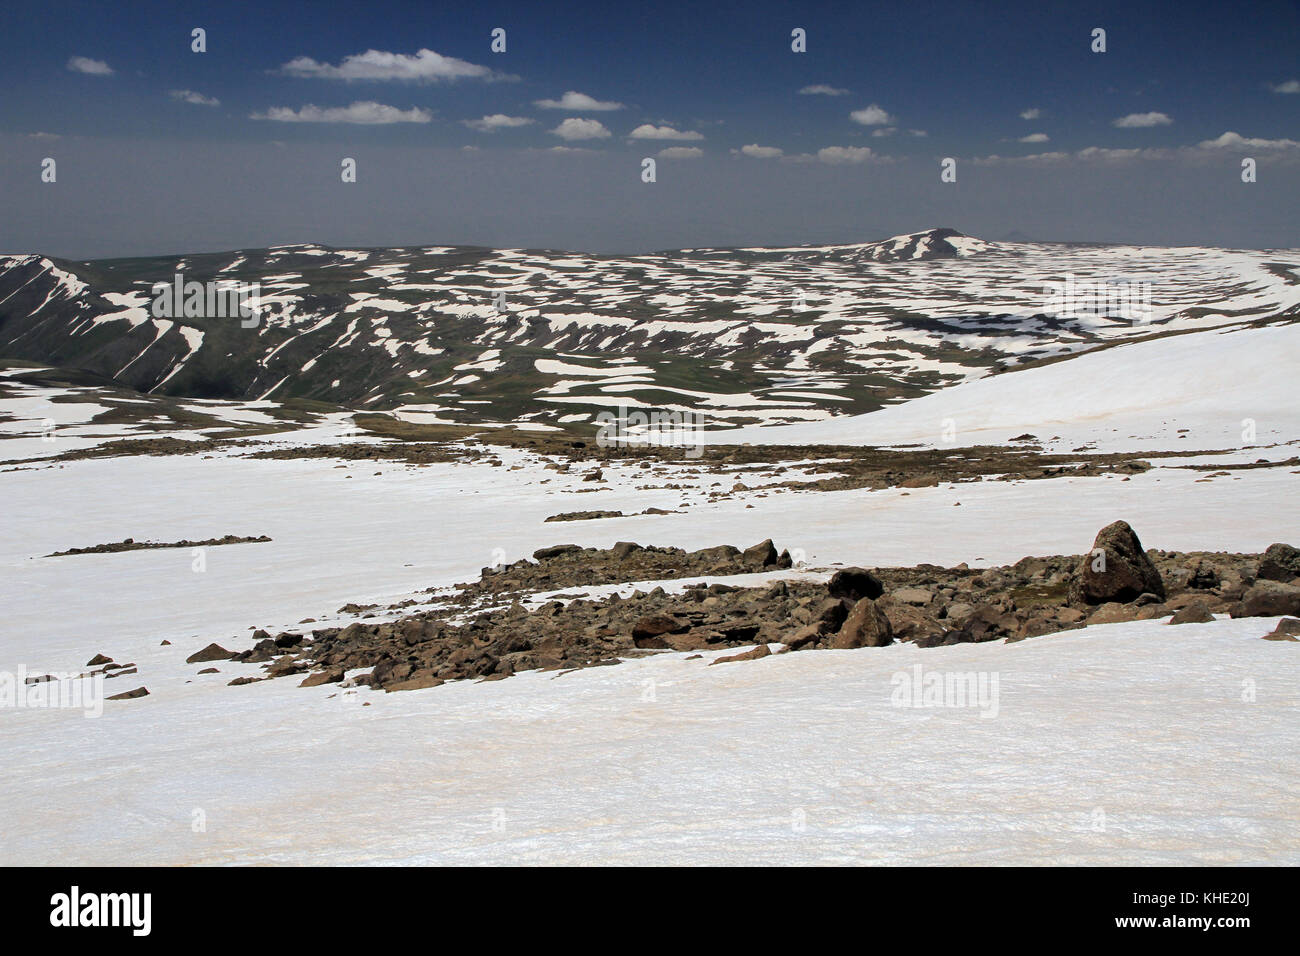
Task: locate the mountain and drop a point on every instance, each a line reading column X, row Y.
column 746, row 336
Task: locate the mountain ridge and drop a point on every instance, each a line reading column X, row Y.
column 745, row 336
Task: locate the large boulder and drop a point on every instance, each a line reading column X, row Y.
column 761, row 555
column 1280, row 562
column 1117, row 569
column 866, row 626
column 855, row 584
column 1269, row 599
column 213, row 652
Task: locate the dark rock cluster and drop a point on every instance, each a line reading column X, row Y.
column 486, row 632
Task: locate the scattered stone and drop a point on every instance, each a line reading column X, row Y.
column 213, row 652
column 331, row 676
column 761, row 650
column 130, row 694
column 1194, row 613
column 1288, row 629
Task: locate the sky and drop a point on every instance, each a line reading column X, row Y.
column 158, row 148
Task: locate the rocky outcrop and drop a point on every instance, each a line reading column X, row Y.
column 485, row 631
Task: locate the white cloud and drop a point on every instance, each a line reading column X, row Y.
column 574, row 128
column 885, row 131
column 821, row 89
column 761, row 152
column 366, row 113
column 1106, row 154
column 918, row 132
column 873, row 115
column 1035, row 138
column 1290, row 86
column 1032, row 113
column 1142, row 120
column 39, row 135
column 681, row 152
column 198, row 99
column 646, row 131
column 84, row 64
column 497, row 121
column 1232, row 140
column 426, row 66
column 579, row 103
column 842, row 155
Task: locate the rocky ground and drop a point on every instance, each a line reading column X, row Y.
column 485, row 631
column 130, row 544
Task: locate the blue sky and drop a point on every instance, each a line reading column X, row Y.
column 158, row 146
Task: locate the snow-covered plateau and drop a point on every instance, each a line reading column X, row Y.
column 1121, row 743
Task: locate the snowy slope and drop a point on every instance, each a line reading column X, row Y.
column 1129, row 397
column 1122, row 744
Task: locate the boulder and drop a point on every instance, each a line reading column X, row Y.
column 1194, row 613
column 909, row 623
column 957, row 613
column 1288, row 629
column 213, row 652
column 1269, row 599
column 1122, row 573
column 624, row 549
column 761, row 555
column 649, row 631
column 1280, row 562
column 542, row 554
column 808, row 634
column 918, row 596
column 855, row 584
column 832, row 613
column 866, row 626
column 761, row 651
column 331, row 676
column 1113, row 612
column 985, row 623
column 130, row 694
column 416, row 682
